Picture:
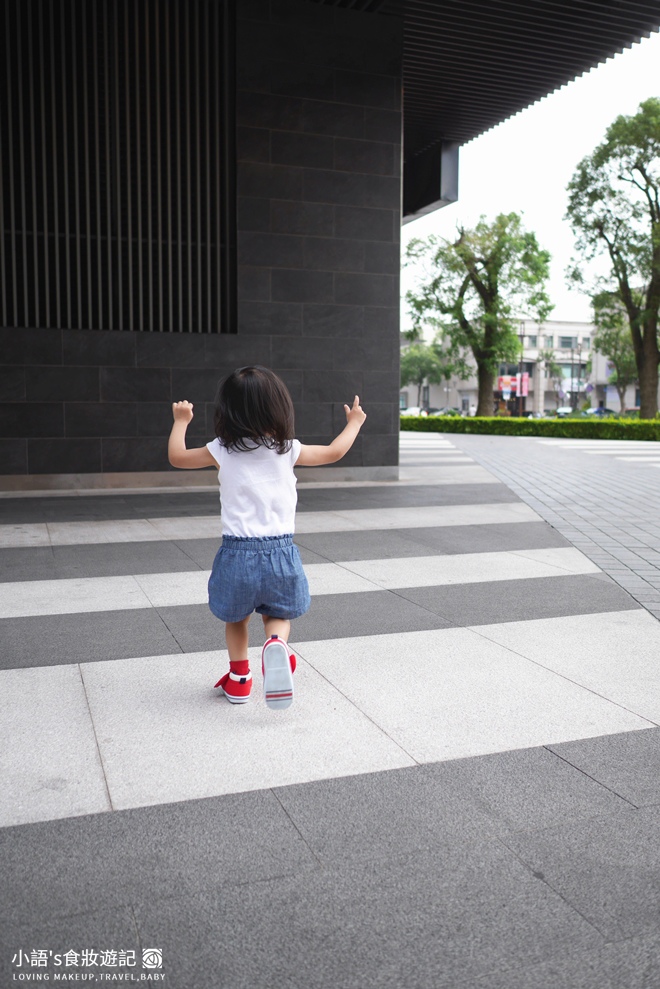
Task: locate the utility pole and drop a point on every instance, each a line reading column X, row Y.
column 521, row 334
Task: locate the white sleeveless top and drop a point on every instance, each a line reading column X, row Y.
column 257, row 489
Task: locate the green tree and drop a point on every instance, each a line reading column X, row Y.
column 614, row 209
column 614, row 341
column 420, row 363
column 476, row 287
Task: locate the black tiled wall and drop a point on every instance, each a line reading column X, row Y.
column 319, row 189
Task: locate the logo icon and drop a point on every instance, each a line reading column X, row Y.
column 152, row 958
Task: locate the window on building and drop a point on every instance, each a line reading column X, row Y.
column 426, row 395
column 403, row 400
column 567, row 343
column 549, row 341
column 532, row 341
column 586, row 343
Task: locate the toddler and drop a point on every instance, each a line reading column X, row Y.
column 257, row 567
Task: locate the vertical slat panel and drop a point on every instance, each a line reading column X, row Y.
column 63, row 116
column 116, row 178
column 96, row 168
column 206, row 48
column 129, row 170
column 55, row 185
column 24, row 314
column 148, row 114
column 159, row 198
column 35, row 224
column 189, row 276
column 87, row 139
column 198, row 184
column 138, row 167
column 169, row 323
column 117, row 184
column 47, row 250
column 74, row 86
column 179, row 167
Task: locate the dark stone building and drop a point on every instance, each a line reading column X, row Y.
column 188, row 187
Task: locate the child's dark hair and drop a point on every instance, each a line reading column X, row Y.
column 253, row 408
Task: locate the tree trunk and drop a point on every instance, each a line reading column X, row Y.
column 486, row 400
column 622, row 398
column 648, row 372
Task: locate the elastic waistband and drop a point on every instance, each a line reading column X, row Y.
column 257, row 542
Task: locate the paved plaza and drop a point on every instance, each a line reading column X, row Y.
column 465, row 793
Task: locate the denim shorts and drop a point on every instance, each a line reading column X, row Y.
column 258, row 573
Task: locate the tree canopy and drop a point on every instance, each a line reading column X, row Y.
column 614, row 210
column 474, row 289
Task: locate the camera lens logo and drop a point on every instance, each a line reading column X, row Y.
column 152, row 958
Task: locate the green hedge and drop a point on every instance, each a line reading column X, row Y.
column 601, row 429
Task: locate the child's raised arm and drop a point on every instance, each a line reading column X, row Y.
column 315, row 456
column 177, row 453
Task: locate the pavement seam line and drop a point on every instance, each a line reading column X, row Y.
column 354, row 705
column 563, row 676
column 319, row 862
column 593, row 778
column 96, row 738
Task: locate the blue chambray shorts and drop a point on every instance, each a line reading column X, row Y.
column 258, row 573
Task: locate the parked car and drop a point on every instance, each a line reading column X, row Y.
column 413, row 410
column 563, row 411
column 601, row 412
column 445, row 412
column 536, row 415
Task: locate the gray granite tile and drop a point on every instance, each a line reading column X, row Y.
column 93, row 560
column 109, row 929
column 89, row 637
column 426, row 918
column 107, row 860
column 627, row 764
column 517, row 600
column 606, row 868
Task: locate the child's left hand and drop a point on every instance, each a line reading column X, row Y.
column 182, row 411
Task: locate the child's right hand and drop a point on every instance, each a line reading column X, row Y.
column 355, row 413
column 182, row 411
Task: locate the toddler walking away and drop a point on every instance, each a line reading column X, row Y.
column 258, row 567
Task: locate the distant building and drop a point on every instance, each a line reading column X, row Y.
column 583, row 381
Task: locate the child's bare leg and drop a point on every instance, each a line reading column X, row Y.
column 277, row 626
column 236, row 637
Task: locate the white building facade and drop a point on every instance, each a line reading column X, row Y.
column 582, row 384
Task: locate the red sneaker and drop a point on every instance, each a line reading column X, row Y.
column 277, row 667
column 237, row 684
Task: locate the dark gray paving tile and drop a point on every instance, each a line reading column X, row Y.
column 94, row 560
column 112, row 929
column 607, row 868
column 381, row 544
column 106, row 860
column 628, row 763
column 104, row 507
column 421, row 920
column 331, row 616
column 88, row 637
column 375, row 815
column 520, row 600
column 630, row 964
column 526, row 789
column 338, row 499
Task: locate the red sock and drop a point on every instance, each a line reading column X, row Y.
column 241, row 667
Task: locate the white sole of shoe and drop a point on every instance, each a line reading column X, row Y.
column 278, row 679
column 235, row 700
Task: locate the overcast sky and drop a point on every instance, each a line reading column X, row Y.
column 525, row 164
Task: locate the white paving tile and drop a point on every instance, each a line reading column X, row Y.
column 209, row 526
column 30, row 534
column 452, row 693
column 121, row 531
column 616, row 654
column 70, row 596
column 162, row 590
column 49, row 763
column 470, row 568
column 165, row 736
